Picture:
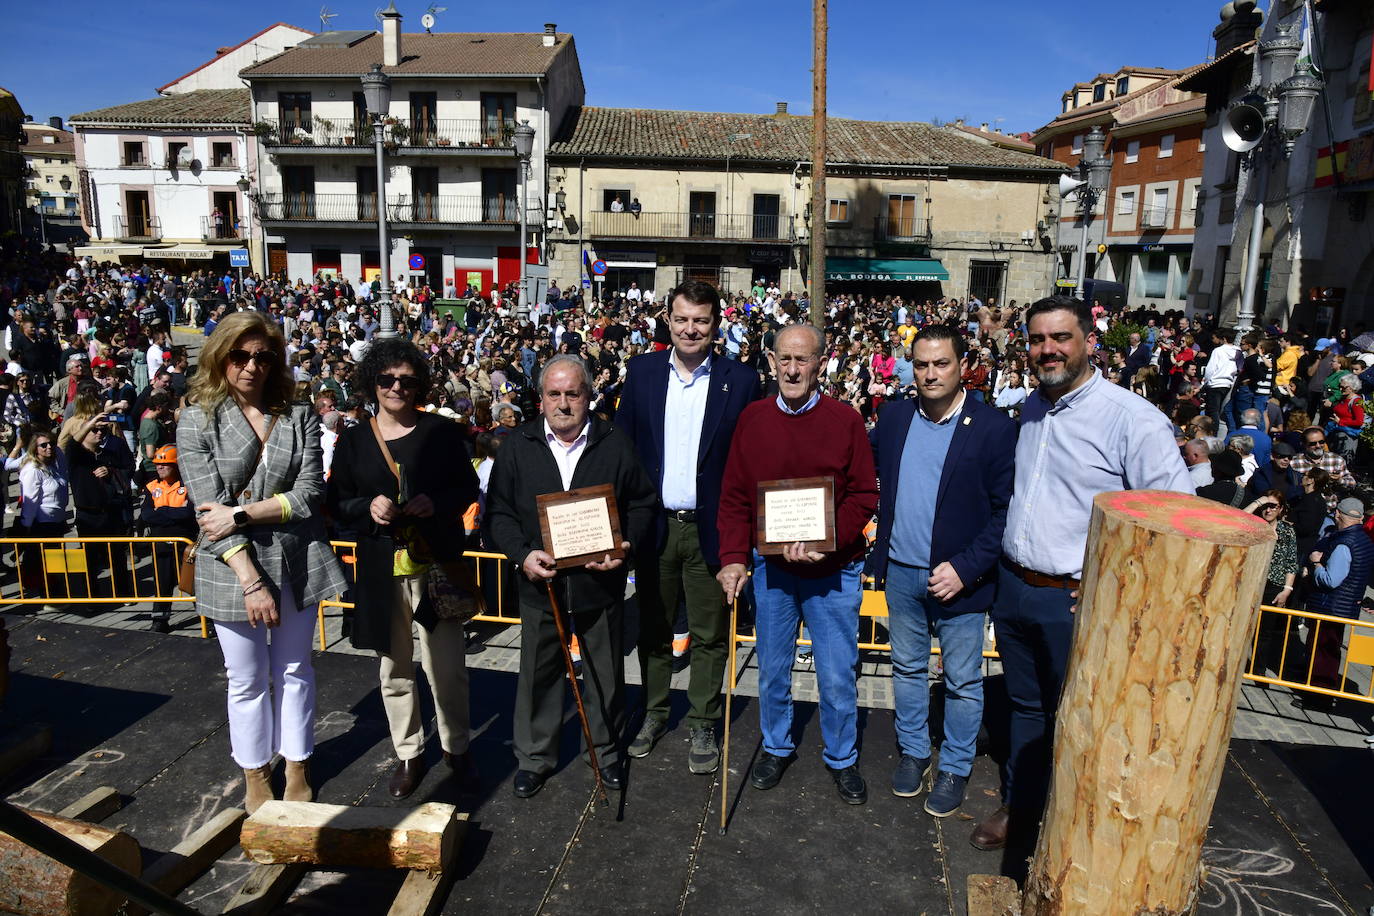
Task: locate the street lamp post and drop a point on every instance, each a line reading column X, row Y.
column 377, row 95
column 524, row 147
column 1095, row 170
column 1267, row 125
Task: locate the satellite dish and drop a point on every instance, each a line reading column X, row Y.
column 427, row 20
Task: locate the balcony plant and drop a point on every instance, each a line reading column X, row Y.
column 265, row 131
column 325, row 127
column 398, row 135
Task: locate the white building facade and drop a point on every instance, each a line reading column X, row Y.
column 452, row 188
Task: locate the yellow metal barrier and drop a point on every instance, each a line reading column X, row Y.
column 68, row 570
column 73, row 569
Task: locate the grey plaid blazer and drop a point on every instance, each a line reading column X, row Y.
column 215, row 454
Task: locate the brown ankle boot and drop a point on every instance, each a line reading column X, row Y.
column 257, row 787
column 298, row 781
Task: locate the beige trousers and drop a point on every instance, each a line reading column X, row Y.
column 443, row 657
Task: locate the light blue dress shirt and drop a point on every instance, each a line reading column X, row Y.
column 684, row 413
column 1337, row 566
column 1098, row 438
column 810, row 403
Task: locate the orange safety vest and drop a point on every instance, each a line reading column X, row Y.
column 168, row 496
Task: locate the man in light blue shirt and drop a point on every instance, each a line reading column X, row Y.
column 1080, row 436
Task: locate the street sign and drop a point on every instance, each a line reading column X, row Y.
column 599, row 268
column 1065, row 284
column 586, row 283
column 238, row 257
column 417, row 262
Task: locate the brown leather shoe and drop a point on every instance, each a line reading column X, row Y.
column 464, row 770
column 992, row 832
column 407, row 776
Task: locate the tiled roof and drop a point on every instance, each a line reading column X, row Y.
column 64, row 144
column 448, row 53
column 652, row 134
column 204, row 106
column 1010, row 141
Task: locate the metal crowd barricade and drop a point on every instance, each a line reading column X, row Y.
column 91, row 570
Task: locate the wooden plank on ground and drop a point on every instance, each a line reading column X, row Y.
column 265, row 887
column 94, row 806
column 423, row 892
column 174, row 871
column 993, row 895
column 341, row 835
column 23, row 746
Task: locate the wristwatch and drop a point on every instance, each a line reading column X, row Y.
column 240, row 517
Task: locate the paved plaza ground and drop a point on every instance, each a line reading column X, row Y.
column 145, row 713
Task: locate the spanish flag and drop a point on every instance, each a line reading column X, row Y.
column 1330, row 162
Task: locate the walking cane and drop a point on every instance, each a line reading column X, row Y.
column 600, row 789
column 729, row 694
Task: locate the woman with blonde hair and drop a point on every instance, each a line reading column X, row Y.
column 251, row 460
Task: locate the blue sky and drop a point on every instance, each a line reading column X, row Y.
column 1001, row 61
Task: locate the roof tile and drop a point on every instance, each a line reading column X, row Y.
column 204, row 106
column 648, row 133
column 455, row 53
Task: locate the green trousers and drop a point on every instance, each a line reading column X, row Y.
column 682, row 570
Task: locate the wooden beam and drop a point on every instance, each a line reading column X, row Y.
column 423, row 892
column 265, row 887
column 819, row 34
column 31, row 883
column 174, row 871
column 94, row 806
column 339, row 835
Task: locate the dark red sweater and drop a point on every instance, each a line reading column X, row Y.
column 828, row 440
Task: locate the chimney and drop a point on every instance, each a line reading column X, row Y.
column 1240, row 22
column 391, row 36
column 958, row 122
column 984, row 127
column 55, row 122
column 782, row 108
column 550, row 34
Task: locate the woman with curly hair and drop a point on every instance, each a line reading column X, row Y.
column 252, row 463
column 400, row 482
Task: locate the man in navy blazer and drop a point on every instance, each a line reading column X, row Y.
column 945, row 466
column 679, row 408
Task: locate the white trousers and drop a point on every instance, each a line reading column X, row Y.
column 263, row 721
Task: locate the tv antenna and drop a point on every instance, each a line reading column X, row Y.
column 428, row 19
column 325, row 16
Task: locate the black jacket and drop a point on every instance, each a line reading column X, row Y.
column 526, row 468
column 359, row 474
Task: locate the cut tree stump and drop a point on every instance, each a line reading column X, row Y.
column 282, row 832
column 35, row 885
column 1171, row 585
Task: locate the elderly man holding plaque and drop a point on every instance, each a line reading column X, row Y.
column 799, row 487
column 580, row 542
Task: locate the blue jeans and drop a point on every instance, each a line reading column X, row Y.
column 830, row 607
column 1034, row 635
column 912, row 613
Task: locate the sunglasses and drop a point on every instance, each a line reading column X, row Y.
column 263, row 359
column 386, row 381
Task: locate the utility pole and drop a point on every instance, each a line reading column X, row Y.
column 818, row 202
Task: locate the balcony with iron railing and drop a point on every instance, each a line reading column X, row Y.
column 137, row 228
column 222, row 230
column 901, row 230
column 411, row 135
column 402, row 208
column 753, row 227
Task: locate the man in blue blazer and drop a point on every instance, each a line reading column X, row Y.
column 680, row 407
column 945, row 466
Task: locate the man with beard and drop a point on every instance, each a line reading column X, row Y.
column 1080, row 436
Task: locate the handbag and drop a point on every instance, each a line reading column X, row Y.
column 453, row 590
column 186, row 570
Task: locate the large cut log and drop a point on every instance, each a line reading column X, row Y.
column 280, row 832
column 35, row 885
column 1171, row 585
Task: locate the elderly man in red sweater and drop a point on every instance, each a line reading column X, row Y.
column 802, row 433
